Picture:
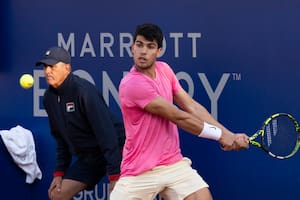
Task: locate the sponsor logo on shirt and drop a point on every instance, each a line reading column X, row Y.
column 70, row 107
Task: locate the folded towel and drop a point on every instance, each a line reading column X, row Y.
column 20, row 144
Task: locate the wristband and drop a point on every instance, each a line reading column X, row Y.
column 58, row 173
column 210, row 132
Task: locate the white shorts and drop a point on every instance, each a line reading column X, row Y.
column 179, row 180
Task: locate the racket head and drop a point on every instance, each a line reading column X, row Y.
column 279, row 136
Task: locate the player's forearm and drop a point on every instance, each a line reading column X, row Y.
column 190, row 125
column 202, row 114
column 201, row 129
column 188, row 122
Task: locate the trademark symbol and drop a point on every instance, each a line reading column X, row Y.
column 236, row 76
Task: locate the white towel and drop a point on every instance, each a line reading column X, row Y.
column 20, row 144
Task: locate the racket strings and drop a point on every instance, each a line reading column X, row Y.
column 280, row 136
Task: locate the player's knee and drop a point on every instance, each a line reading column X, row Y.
column 202, row 194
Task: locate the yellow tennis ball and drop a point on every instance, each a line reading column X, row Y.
column 26, row 81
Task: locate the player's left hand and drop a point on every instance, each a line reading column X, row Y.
column 230, row 141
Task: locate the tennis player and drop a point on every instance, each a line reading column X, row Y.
column 152, row 160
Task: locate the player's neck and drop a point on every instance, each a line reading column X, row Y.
column 149, row 71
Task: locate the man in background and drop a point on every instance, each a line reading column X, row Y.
column 83, row 127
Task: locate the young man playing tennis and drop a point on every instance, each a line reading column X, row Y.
column 152, row 160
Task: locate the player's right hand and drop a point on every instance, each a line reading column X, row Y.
column 230, row 141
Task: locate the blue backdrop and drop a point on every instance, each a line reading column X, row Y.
column 240, row 59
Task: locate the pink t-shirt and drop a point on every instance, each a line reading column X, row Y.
column 150, row 140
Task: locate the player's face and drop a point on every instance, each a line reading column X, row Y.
column 56, row 74
column 144, row 53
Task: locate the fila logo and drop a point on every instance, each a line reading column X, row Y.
column 70, row 107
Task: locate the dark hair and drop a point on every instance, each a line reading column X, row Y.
column 151, row 32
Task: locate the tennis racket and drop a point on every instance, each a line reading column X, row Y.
column 279, row 136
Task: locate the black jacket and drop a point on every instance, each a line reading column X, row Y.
column 81, row 122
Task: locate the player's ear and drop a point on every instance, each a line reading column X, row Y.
column 158, row 52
